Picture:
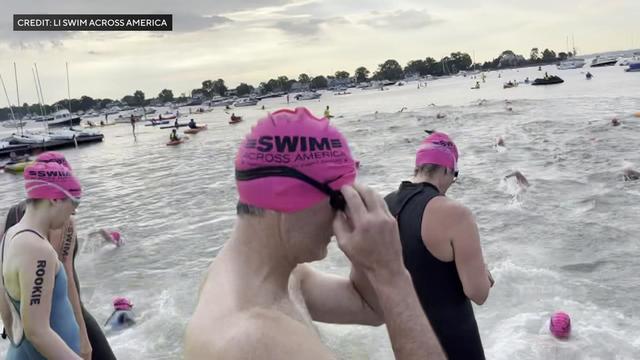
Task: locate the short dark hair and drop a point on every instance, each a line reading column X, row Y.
column 249, row 210
column 427, row 169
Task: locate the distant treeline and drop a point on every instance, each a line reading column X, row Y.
column 389, row 70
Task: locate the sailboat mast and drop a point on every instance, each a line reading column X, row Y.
column 35, row 83
column 69, row 96
column 46, row 123
column 8, row 101
column 15, row 75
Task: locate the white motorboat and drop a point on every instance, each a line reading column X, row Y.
column 604, row 61
column 308, row 96
column 246, row 102
column 61, row 118
column 571, row 64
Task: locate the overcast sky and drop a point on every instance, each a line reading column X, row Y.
column 253, row 40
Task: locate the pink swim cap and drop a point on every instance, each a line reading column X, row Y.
column 122, row 303
column 51, row 181
column 560, row 325
column 296, row 140
column 53, row 156
column 438, row 149
column 115, row 235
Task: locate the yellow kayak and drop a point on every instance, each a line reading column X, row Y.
column 17, row 168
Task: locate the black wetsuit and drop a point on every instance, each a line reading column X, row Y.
column 99, row 344
column 436, row 282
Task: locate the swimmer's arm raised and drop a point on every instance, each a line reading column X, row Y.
column 338, row 300
column 474, row 276
column 37, row 278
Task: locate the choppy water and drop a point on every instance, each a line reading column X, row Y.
column 570, row 242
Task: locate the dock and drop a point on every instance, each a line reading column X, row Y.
column 49, row 145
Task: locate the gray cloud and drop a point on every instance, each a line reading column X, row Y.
column 184, row 22
column 399, row 19
column 306, row 26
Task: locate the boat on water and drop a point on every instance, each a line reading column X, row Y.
column 549, row 80
column 246, row 102
column 29, row 139
column 571, row 64
column 223, row 102
column 308, row 96
column 61, row 118
column 196, row 130
column 601, row 61
column 633, row 67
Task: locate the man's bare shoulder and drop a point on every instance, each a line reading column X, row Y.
column 447, row 208
column 253, row 334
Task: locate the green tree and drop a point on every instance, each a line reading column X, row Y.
column 362, row 74
column 319, row 82
column 219, row 87
column 283, row 83
column 139, row 97
column 390, row 70
column 265, row 88
column 207, row 86
column 86, row 103
column 534, row 57
column 273, row 85
column 304, row 78
column 562, row 56
column 417, row 67
column 460, row 61
column 165, row 95
column 342, row 75
column 548, row 55
column 244, row 89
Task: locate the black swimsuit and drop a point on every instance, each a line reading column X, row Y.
column 436, row 282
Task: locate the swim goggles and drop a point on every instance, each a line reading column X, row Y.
column 336, row 199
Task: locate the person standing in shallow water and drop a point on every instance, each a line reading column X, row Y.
column 93, row 343
column 34, row 305
column 441, row 248
column 259, row 297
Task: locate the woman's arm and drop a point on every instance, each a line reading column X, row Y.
column 69, row 241
column 37, row 269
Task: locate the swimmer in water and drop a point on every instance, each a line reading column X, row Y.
column 260, row 297
column 122, row 316
column 631, row 175
column 500, row 141
column 520, row 179
column 110, row 236
column 437, row 230
column 615, row 122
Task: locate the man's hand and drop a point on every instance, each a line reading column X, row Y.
column 367, row 232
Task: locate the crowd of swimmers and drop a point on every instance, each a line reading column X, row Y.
column 415, row 254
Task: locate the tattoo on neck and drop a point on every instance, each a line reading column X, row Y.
column 36, row 292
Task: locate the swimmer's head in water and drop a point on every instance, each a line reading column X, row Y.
column 291, row 161
column 53, row 156
column 438, row 149
column 560, row 325
column 51, row 181
column 122, row 303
